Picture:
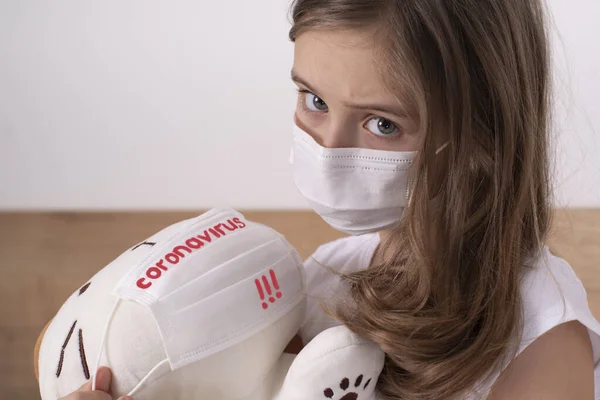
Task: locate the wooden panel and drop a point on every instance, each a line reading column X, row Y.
column 46, row 256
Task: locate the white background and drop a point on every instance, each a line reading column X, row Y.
column 188, row 104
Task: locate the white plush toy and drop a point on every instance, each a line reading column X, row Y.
column 203, row 310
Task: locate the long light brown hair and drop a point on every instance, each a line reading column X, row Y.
column 445, row 303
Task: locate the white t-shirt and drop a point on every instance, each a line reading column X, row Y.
column 543, row 289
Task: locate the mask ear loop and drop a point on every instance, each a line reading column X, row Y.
column 157, row 367
column 442, row 147
column 104, row 335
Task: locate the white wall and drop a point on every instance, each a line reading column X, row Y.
column 577, row 62
column 188, row 104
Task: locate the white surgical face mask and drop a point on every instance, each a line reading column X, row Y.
column 211, row 283
column 356, row 191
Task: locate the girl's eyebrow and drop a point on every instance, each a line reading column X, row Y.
column 298, row 79
column 383, row 108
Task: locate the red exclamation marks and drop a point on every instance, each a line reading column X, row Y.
column 267, row 285
column 261, row 294
column 275, row 283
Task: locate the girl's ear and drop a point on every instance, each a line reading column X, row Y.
column 36, row 350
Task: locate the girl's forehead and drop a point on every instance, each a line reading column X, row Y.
column 340, row 65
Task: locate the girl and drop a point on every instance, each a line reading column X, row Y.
column 422, row 129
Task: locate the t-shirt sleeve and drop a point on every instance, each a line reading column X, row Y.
column 552, row 295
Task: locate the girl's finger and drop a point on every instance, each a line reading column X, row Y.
column 103, row 378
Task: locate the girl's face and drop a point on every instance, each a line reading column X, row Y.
column 342, row 100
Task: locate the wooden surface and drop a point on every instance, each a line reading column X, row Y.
column 46, row 256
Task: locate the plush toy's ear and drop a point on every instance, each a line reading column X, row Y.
column 36, row 351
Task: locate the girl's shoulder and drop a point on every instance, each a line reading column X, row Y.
column 552, row 294
column 347, row 254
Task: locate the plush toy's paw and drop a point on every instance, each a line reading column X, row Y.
column 336, row 364
column 348, row 392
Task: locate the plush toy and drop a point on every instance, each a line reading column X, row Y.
column 203, row 310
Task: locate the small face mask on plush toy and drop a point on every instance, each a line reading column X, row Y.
column 202, row 310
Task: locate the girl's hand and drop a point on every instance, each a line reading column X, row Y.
column 102, row 391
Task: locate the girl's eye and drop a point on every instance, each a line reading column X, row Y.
column 381, row 126
column 315, row 103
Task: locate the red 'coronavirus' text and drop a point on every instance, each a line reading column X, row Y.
column 188, row 247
